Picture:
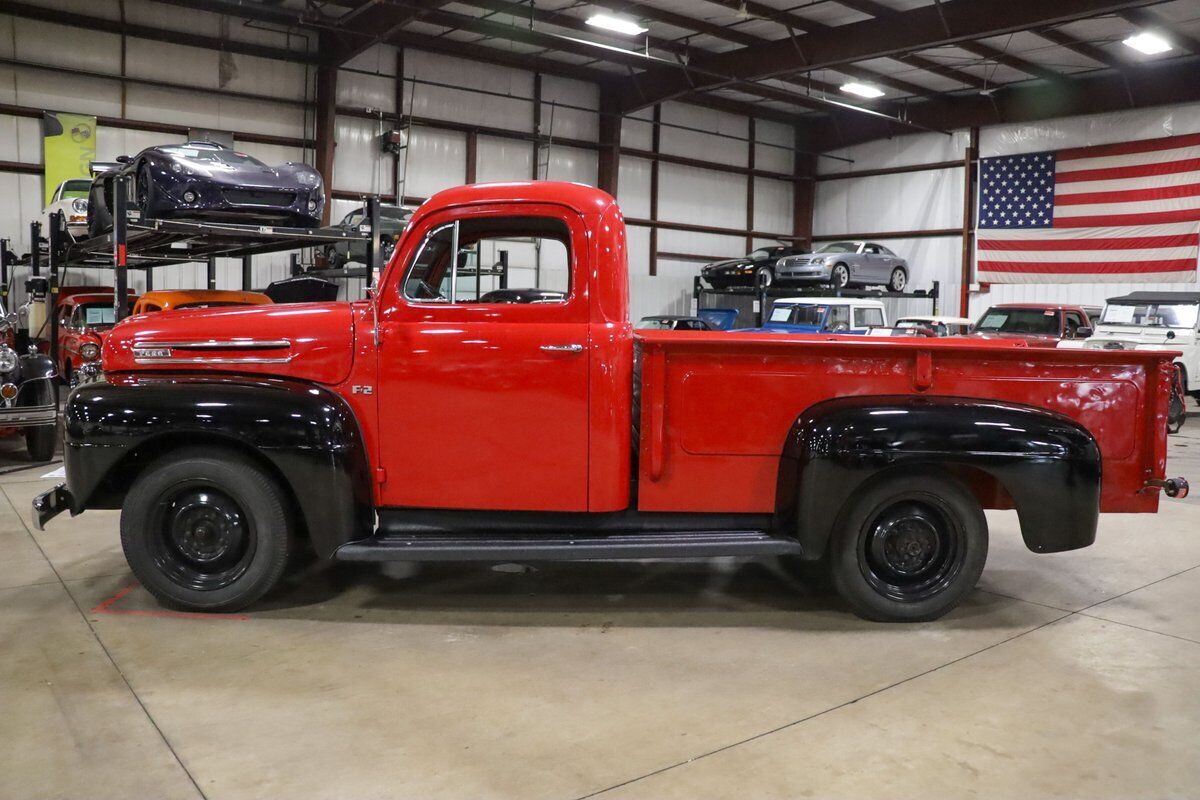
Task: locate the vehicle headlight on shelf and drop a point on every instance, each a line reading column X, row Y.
column 309, row 178
column 79, row 205
column 8, row 359
column 90, row 351
column 312, row 205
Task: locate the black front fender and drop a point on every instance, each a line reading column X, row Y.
column 1047, row 463
column 305, row 434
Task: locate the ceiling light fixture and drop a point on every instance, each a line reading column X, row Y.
column 1149, row 43
column 862, row 90
column 618, row 24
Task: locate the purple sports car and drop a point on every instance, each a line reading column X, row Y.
column 210, row 181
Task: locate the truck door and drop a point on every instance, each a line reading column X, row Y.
column 483, row 362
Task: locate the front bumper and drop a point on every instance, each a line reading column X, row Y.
column 49, row 504
column 804, row 274
column 23, row 416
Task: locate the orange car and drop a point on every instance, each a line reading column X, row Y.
column 174, row 299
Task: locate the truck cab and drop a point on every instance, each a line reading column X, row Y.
column 1154, row 321
column 430, row 422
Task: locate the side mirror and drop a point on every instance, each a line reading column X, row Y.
column 1083, row 332
column 124, row 159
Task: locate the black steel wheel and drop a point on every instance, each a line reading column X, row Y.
column 839, row 276
column 909, row 548
column 206, row 530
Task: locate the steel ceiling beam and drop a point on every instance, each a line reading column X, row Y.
column 1085, row 49
column 950, row 22
column 1155, row 84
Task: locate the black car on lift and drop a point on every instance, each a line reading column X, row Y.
column 750, row 270
column 210, row 181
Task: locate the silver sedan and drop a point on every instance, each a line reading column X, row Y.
column 843, row 264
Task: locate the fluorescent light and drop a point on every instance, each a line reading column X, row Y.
column 1148, row 43
column 618, row 24
column 862, row 90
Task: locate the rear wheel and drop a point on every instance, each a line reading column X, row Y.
column 205, row 529
column 909, row 548
column 763, row 278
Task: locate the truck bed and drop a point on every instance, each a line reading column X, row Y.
column 716, row 408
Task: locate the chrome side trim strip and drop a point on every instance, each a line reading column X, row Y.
column 215, row 360
column 218, row 344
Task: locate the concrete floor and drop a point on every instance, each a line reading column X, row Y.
column 1075, row 674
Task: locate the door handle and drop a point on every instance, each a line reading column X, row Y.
column 563, row 348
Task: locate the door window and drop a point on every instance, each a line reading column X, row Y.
column 839, row 318
column 499, row 260
column 868, row 318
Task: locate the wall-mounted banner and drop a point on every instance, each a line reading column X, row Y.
column 1114, row 213
column 69, row 146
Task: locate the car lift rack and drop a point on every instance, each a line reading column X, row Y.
column 137, row 244
column 760, row 297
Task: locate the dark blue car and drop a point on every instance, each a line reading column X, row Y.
column 210, row 181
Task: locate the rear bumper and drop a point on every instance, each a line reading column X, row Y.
column 49, row 504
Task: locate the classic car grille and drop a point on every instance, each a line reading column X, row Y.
column 259, row 197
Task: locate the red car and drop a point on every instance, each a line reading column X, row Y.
column 1036, row 323
column 85, row 316
column 428, row 423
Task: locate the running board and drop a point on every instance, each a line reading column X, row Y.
column 492, row 547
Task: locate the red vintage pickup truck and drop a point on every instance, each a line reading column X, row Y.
column 437, row 421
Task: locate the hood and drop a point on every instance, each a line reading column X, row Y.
column 1129, row 337
column 778, row 328
column 725, row 266
column 307, row 341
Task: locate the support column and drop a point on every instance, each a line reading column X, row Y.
column 804, row 190
column 120, row 236
column 750, row 188
column 212, row 273
column 970, row 183
column 609, row 165
column 654, row 144
column 326, row 130
column 472, row 157
column 247, row 273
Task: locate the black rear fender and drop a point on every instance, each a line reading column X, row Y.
column 304, row 435
column 1042, row 463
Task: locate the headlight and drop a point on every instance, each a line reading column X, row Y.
column 90, row 351
column 176, row 166
column 309, row 178
column 79, row 205
column 8, row 359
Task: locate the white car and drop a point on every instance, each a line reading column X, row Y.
column 825, row 315
column 1153, row 321
column 71, row 198
column 939, row 325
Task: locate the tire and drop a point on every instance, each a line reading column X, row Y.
column 144, row 193
column 40, row 441
column 205, row 529
column 99, row 218
column 908, row 548
column 763, row 277
column 899, row 280
column 839, row 276
column 67, row 375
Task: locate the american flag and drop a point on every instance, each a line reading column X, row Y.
column 1117, row 213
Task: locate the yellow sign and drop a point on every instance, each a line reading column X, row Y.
column 69, row 144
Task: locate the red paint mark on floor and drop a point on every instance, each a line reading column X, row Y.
column 109, row 606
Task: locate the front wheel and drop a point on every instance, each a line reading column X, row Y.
column 763, row 278
column 898, row 281
column 206, row 530
column 839, row 276
column 39, row 442
column 909, row 548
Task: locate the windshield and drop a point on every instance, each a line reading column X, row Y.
column 228, row 157
column 99, row 314
column 72, row 189
column 1019, row 320
column 1152, row 315
column 759, row 254
column 839, row 247
column 654, row 325
column 799, row 314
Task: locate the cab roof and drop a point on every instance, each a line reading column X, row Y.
column 832, row 301
column 577, row 196
column 170, row 298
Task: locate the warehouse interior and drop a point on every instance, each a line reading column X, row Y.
column 720, row 128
